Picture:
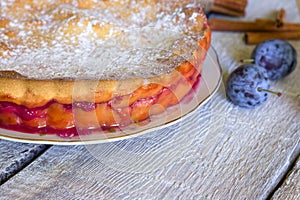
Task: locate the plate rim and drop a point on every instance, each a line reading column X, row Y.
column 80, row 141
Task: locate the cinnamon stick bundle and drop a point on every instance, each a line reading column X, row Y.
column 260, row 29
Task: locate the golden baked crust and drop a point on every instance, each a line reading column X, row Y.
column 34, row 92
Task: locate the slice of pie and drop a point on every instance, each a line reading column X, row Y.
column 88, row 65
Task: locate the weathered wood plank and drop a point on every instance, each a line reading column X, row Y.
column 14, row 156
column 290, row 189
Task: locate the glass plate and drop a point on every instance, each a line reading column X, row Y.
column 209, row 83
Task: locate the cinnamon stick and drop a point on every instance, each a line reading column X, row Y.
column 232, row 5
column 259, row 25
column 242, row 2
column 257, row 37
column 226, row 11
column 229, row 7
column 280, row 17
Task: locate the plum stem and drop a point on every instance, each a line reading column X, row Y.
column 249, row 60
column 269, row 91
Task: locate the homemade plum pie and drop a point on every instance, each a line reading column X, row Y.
column 76, row 66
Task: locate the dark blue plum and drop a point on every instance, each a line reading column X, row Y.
column 242, row 86
column 278, row 57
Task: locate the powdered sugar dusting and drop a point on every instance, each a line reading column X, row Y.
column 96, row 40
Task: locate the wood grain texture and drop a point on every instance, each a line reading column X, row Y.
column 14, row 156
column 219, row 152
column 290, row 189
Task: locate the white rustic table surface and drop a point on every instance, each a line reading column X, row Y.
column 219, row 152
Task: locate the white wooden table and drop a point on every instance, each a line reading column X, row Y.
column 220, row 152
